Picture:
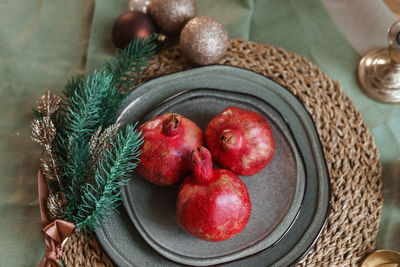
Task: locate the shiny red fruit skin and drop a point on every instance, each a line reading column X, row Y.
column 166, row 158
column 240, row 140
column 213, row 210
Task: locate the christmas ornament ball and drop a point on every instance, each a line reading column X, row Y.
column 139, row 5
column 172, row 15
column 204, row 40
column 130, row 25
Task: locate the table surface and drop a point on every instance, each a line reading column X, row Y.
column 45, row 42
column 394, row 5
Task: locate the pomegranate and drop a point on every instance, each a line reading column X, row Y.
column 168, row 142
column 240, row 140
column 213, row 204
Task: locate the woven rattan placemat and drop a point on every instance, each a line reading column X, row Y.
column 350, row 152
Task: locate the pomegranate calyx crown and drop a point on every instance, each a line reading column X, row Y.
column 172, row 125
column 231, row 139
column 202, row 164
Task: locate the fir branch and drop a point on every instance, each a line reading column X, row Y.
column 89, row 104
column 61, row 139
column 125, row 69
column 86, row 105
column 72, row 85
column 99, row 198
column 84, row 115
column 129, row 63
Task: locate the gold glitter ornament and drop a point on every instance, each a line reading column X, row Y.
column 56, row 204
column 172, row 15
column 48, row 103
column 204, row 40
column 43, row 132
column 49, row 168
column 100, row 141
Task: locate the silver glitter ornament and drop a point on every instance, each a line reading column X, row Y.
column 172, row 15
column 139, row 5
column 204, row 40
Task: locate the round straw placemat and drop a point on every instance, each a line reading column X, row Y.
column 350, row 152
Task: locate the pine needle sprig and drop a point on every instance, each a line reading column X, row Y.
column 75, row 83
column 84, row 115
column 88, row 105
column 126, row 67
column 129, row 63
column 99, row 198
column 73, row 88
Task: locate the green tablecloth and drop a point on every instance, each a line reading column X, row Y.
column 44, row 42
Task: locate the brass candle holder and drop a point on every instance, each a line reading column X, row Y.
column 379, row 71
column 382, row 258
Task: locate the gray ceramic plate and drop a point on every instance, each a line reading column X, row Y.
column 276, row 193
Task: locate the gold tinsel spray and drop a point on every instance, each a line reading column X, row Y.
column 101, row 141
column 43, row 132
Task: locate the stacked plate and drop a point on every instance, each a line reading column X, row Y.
column 290, row 197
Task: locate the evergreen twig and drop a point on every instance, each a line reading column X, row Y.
column 89, row 104
column 129, row 63
column 83, row 116
column 99, row 198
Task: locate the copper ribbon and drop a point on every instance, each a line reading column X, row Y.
column 55, row 233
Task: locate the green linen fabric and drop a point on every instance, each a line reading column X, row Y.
column 44, row 42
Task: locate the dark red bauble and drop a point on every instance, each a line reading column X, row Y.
column 130, row 25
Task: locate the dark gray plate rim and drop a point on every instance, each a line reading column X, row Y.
column 307, row 231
